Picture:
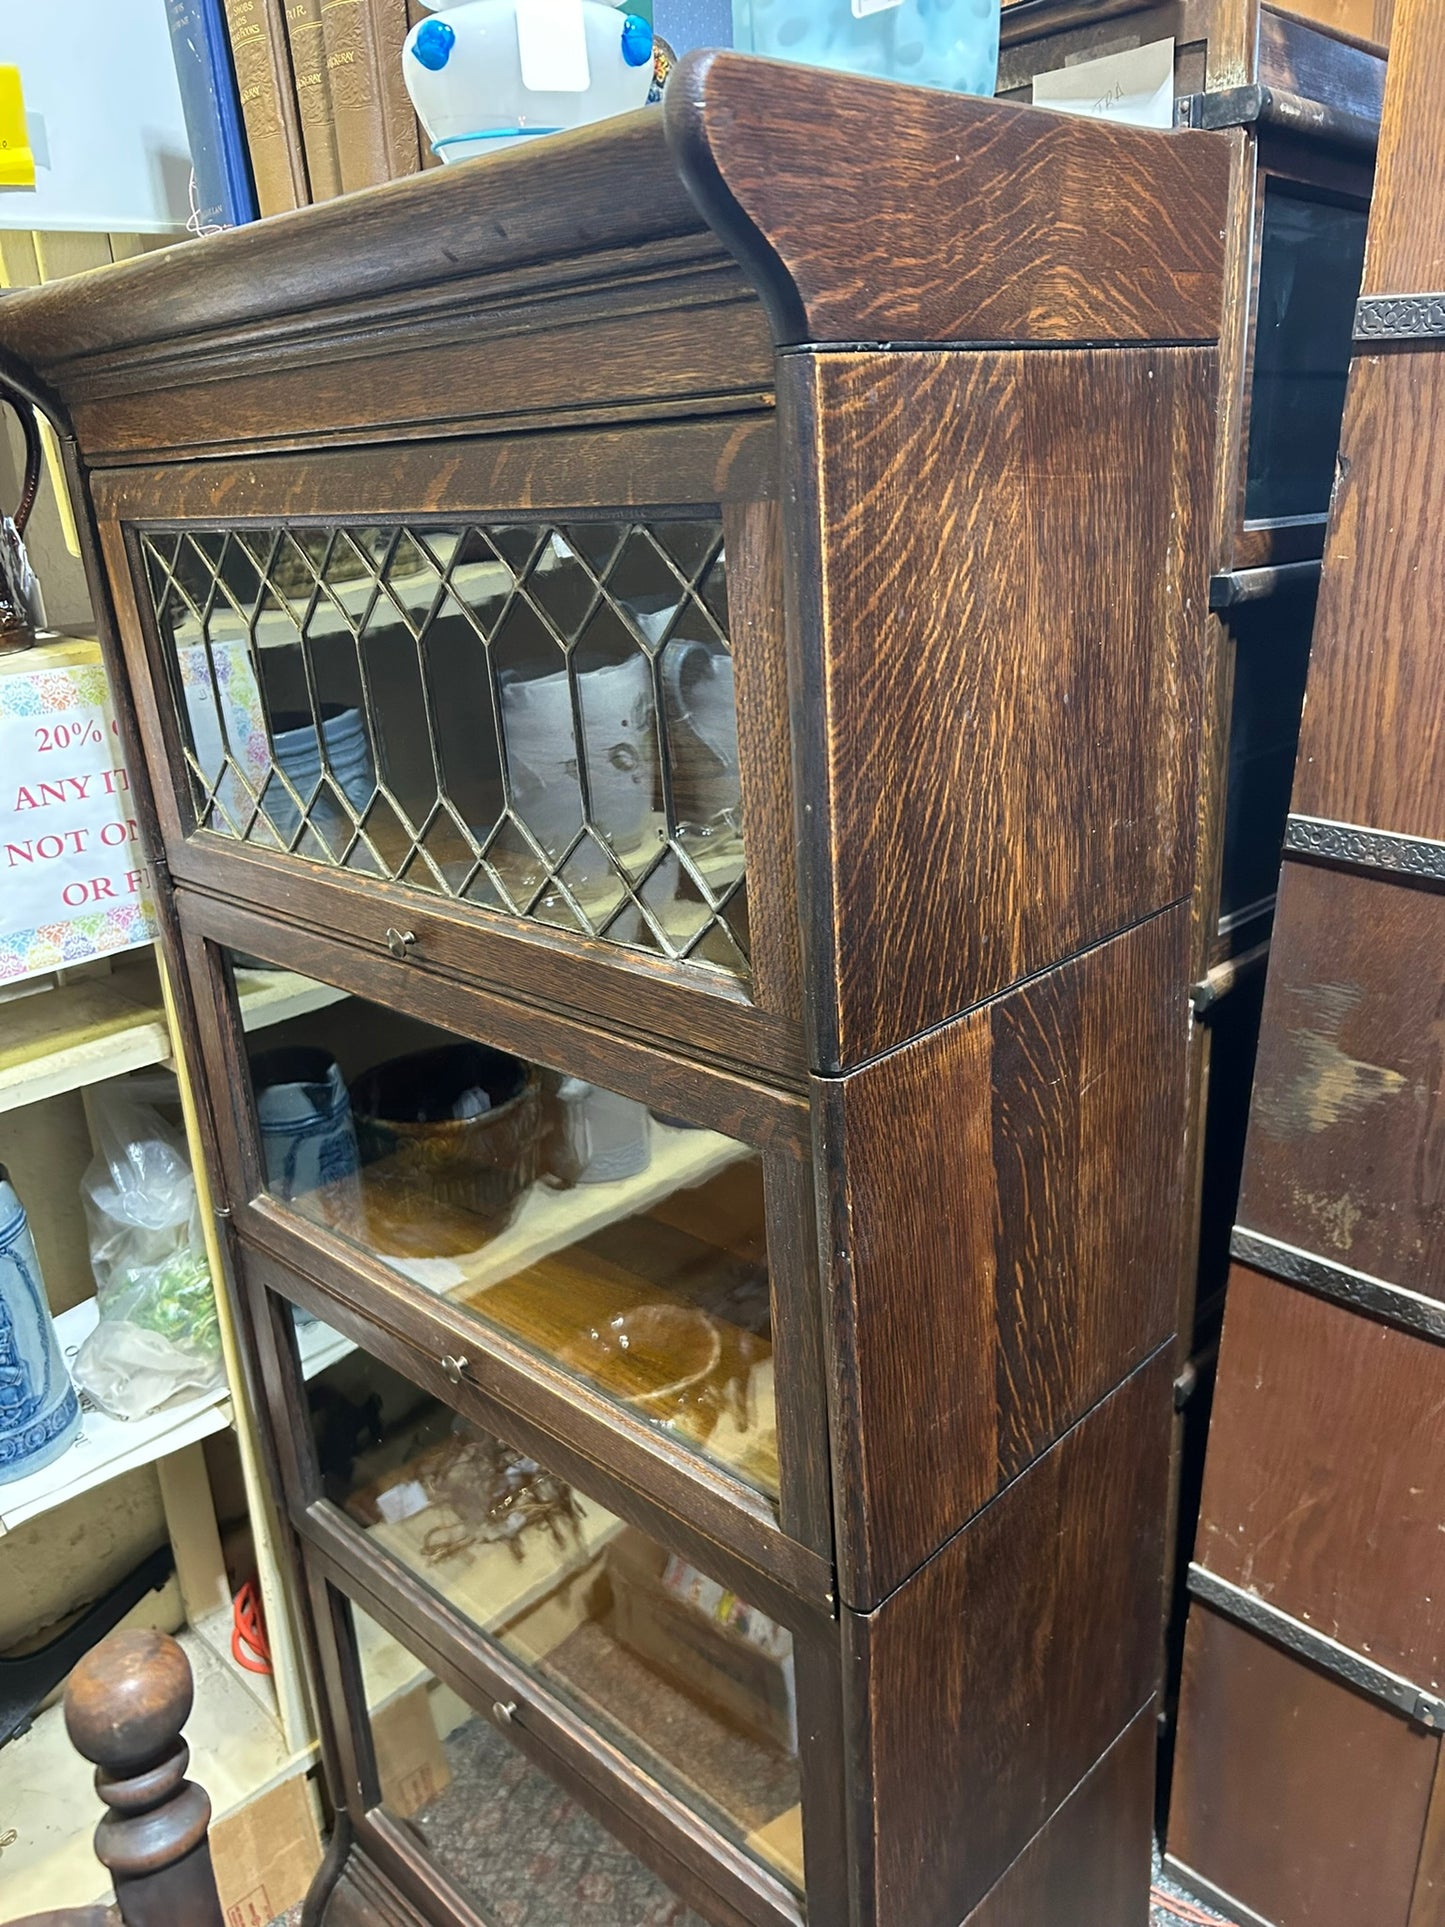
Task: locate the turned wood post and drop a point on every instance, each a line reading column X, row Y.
column 124, row 1709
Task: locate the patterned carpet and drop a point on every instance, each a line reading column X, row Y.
column 559, row 1868
column 1175, row 1908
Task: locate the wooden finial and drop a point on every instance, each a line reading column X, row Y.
column 124, row 1709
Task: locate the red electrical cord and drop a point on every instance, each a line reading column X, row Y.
column 1182, row 1910
column 248, row 1631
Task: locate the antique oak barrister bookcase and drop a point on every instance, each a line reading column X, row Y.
column 891, row 404
column 1306, row 103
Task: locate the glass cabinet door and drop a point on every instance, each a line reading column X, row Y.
column 689, row 1682
column 518, row 1849
column 531, row 717
column 610, row 1239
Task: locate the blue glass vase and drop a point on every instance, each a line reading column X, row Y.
column 39, row 1411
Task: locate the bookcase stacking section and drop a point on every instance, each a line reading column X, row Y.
column 707, row 664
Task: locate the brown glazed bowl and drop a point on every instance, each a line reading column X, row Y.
column 419, row 1159
column 659, row 1359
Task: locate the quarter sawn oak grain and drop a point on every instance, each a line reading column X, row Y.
column 967, row 592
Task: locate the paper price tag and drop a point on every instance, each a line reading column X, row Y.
column 1135, row 86
column 862, row 8
column 552, row 46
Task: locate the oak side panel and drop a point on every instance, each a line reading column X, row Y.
column 1001, row 1239
column 1324, row 1487
column 1372, row 748
column 1407, row 253
column 1293, row 1793
column 989, row 1685
column 753, row 537
column 999, row 674
column 1088, row 1866
column 1346, row 1148
column 1039, row 227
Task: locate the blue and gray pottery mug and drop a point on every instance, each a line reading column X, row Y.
column 39, row 1411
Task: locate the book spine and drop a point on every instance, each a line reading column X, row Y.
column 390, row 21
column 354, row 85
column 313, row 99
column 223, row 191
column 268, row 103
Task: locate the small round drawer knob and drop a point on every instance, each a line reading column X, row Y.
column 401, row 942
column 504, row 1711
column 454, row 1367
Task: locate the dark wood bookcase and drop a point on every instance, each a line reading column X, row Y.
column 874, row 424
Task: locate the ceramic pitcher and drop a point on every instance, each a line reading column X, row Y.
column 39, row 1411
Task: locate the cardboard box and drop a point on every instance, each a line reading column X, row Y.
column 266, row 1853
column 701, row 1655
column 410, row 1762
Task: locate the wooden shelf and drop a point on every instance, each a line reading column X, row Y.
column 107, row 1446
column 47, row 1795
column 94, row 1028
column 487, row 1584
column 549, row 1221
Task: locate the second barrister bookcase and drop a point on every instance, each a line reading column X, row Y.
column 697, row 629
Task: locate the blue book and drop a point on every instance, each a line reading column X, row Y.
column 225, row 194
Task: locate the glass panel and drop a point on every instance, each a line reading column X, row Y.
column 621, row 1244
column 508, row 1838
column 690, row 1682
column 534, row 717
column 1272, row 651
column 1311, row 261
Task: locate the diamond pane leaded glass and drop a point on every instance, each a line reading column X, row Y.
column 534, row 717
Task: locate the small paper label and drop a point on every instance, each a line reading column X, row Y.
column 402, row 1501
column 1136, row 86
column 552, row 46
column 862, row 8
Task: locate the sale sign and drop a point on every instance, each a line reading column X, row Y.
column 73, row 881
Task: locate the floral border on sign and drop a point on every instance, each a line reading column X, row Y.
column 53, row 946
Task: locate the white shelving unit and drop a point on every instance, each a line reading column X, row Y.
column 93, row 1028
column 244, row 1735
column 247, row 1732
column 107, row 1446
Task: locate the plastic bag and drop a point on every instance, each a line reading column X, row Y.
column 158, row 1334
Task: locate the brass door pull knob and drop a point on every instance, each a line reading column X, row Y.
column 400, row 942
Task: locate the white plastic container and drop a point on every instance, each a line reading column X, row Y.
column 935, row 43
column 488, row 74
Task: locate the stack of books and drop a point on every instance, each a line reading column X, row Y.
column 292, row 101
